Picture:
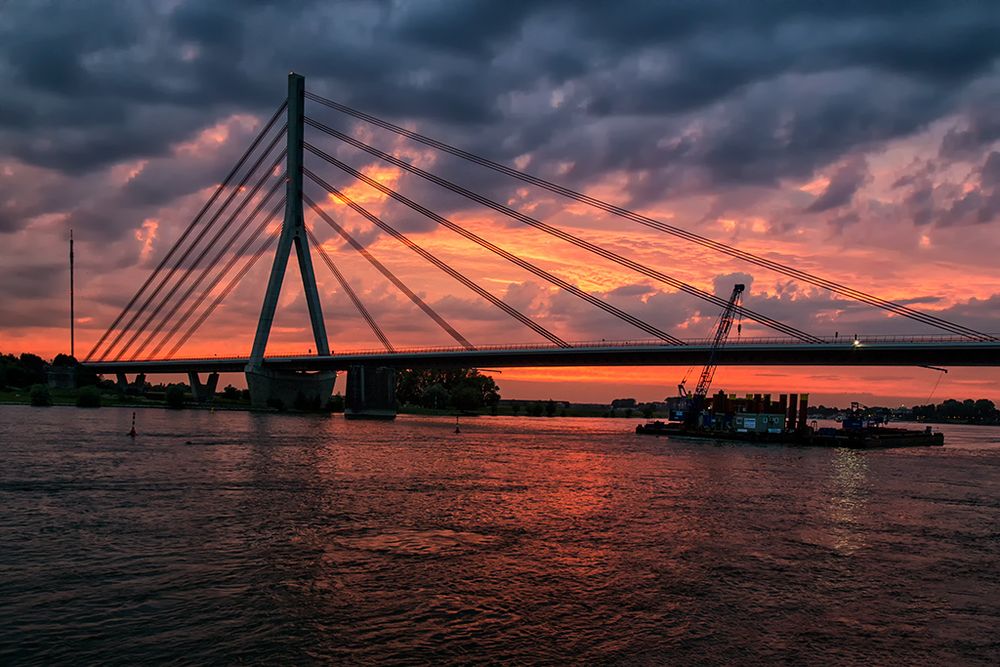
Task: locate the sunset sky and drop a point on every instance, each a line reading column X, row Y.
column 857, row 140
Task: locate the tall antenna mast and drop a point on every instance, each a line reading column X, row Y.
column 72, row 301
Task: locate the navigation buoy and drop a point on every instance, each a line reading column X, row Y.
column 131, row 432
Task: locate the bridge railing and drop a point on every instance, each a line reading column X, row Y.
column 655, row 342
column 878, row 339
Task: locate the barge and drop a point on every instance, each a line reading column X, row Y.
column 757, row 419
column 863, row 438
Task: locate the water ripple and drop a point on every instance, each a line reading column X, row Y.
column 235, row 537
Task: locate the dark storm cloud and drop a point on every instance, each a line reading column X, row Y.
column 683, row 97
column 98, row 68
column 843, row 184
column 979, row 205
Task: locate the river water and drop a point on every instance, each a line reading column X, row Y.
column 236, row 537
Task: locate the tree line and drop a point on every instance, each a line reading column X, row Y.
column 971, row 411
column 982, row 411
column 463, row 389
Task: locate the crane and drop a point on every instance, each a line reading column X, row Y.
column 697, row 398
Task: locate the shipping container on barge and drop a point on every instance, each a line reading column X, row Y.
column 758, row 419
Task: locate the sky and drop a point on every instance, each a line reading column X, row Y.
column 859, row 141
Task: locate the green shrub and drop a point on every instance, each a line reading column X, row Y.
column 88, row 397
column 40, row 395
column 175, row 396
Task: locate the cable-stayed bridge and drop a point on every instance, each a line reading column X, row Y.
column 235, row 229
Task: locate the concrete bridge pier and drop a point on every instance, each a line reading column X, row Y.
column 137, row 387
column 203, row 393
column 371, row 393
column 289, row 389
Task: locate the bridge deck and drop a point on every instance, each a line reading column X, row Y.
column 867, row 351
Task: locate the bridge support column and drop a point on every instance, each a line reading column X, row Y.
column 137, row 387
column 371, row 393
column 203, row 393
column 289, row 389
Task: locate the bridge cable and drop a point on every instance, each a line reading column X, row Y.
column 264, row 248
column 194, row 244
column 679, row 232
column 208, row 269
column 460, row 277
column 690, row 289
column 210, row 265
column 264, row 176
column 554, row 231
column 239, row 254
column 528, row 266
column 364, row 312
column 211, row 200
column 399, row 284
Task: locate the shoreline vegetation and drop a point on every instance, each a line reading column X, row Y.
column 28, row 380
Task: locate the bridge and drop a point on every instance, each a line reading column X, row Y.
column 233, row 231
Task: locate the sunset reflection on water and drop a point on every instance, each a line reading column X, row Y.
column 277, row 538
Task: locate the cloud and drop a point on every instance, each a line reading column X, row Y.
column 844, row 182
column 716, row 115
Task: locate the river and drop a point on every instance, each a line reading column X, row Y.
column 237, row 537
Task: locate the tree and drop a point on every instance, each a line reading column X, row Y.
column 550, row 408
column 411, row 385
column 435, row 397
column 65, row 360
column 231, row 393
column 985, row 410
column 466, row 397
column 22, row 371
column 175, row 396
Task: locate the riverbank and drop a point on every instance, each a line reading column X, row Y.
column 513, row 408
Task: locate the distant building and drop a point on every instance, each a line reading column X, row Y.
column 623, row 403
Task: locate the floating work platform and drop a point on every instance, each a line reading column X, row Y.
column 860, row 438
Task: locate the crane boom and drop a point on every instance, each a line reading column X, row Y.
column 719, row 341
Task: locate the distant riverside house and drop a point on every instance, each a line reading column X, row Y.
column 623, row 403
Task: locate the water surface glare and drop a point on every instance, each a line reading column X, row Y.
column 238, row 537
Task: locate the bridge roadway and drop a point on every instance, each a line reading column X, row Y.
column 867, row 351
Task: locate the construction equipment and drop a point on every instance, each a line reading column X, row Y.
column 694, row 403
